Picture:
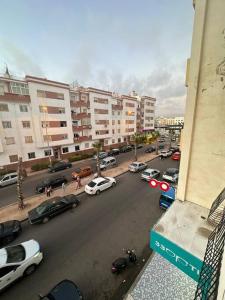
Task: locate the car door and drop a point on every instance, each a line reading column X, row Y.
column 6, row 180
column 8, row 274
column 14, row 178
column 100, row 186
column 107, row 183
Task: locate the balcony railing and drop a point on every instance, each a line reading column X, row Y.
column 82, row 139
column 80, row 128
column 216, row 211
column 80, row 103
column 208, row 283
column 15, row 97
column 79, row 116
column 117, row 107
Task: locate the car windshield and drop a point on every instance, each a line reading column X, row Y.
column 146, row 173
column 134, row 165
column 42, row 208
column 170, row 172
column 15, row 254
column 92, row 184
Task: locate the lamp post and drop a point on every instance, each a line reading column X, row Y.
column 45, row 109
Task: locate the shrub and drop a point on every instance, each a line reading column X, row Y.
column 74, row 158
column 40, row 166
column 4, row 172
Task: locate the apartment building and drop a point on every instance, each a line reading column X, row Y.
column 42, row 118
column 162, row 121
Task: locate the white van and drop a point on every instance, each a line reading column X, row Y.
column 108, row 162
column 8, row 179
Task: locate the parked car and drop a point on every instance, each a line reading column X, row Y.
column 173, row 139
column 165, row 153
column 8, row 179
column 64, row 290
column 97, row 185
column 108, row 162
column 18, row 261
column 114, row 152
column 137, row 166
column 101, row 155
column 9, row 230
column 150, row 173
column 53, row 182
column 161, row 140
column 171, row 175
column 150, row 149
column 174, row 149
column 125, row 149
column 176, row 156
column 139, row 146
column 167, row 198
column 59, row 166
column 51, row 208
column 82, row 172
column 161, row 146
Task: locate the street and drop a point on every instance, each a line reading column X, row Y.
column 8, row 193
column 81, row 244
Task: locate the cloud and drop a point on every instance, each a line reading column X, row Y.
column 18, row 59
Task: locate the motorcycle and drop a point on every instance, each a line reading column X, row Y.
column 122, row 262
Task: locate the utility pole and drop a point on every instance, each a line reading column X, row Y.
column 19, row 185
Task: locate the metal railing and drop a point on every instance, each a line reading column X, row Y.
column 208, row 283
column 217, row 208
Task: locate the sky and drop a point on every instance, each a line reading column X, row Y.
column 117, row 45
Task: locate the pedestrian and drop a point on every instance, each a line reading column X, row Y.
column 63, row 187
column 48, row 192
column 79, row 185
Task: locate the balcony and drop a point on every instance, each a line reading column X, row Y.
column 117, row 107
column 79, row 116
column 82, row 127
column 82, row 139
column 15, row 97
column 80, row 104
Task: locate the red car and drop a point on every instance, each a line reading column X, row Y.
column 176, row 156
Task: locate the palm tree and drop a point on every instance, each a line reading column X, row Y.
column 97, row 146
column 19, row 185
column 156, row 135
column 138, row 139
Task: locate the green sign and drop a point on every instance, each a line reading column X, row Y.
column 183, row 260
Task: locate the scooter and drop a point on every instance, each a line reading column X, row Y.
column 122, row 262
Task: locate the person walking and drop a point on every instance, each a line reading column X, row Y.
column 63, row 188
column 48, row 191
column 79, row 185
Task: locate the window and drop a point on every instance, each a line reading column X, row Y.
column 101, row 100
column 62, row 110
column 10, row 140
column 77, row 148
column 113, row 122
column 48, row 152
column 13, row 158
column 86, row 145
column 19, row 88
column 118, row 130
column 26, row 124
column 4, row 107
column 113, row 131
column 119, row 140
column 118, row 121
column 6, row 124
column 28, row 139
column 65, row 150
column 113, row 141
column 23, row 108
column 75, row 123
column 31, row 155
column 63, row 123
column 106, row 142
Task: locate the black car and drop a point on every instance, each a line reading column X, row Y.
column 9, row 231
column 52, row 207
column 61, row 165
column 53, row 182
column 114, row 152
column 150, row 149
column 161, row 146
column 64, row 290
column 125, row 149
column 174, row 149
column 139, row 146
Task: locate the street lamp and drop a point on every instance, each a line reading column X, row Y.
column 45, row 110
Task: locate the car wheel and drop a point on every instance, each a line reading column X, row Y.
column 45, row 220
column 29, row 270
column 97, row 192
column 113, row 184
column 74, row 205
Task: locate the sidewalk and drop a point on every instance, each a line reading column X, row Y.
column 11, row 211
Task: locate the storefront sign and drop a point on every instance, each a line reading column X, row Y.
column 183, row 260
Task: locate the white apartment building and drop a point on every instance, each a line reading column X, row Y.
column 161, row 121
column 41, row 118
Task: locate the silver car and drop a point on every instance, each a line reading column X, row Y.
column 137, row 166
column 8, row 179
column 150, row 173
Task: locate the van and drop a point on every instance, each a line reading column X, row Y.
column 8, row 179
column 108, row 162
column 167, row 198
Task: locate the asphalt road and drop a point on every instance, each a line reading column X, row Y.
column 8, row 193
column 81, row 244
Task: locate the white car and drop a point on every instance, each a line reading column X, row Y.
column 101, row 155
column 97, row 185
column 150, row 173
column 171, row 175
column 137, row 166
column 166, row 153
column 18, row 260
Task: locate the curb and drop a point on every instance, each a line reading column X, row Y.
column 127, row 171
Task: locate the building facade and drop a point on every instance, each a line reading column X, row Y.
column 41, row 118
column 162, row 121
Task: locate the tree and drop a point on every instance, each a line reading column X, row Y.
column 19, row 185
column 156, row 135
column 98, row 146
column 138, row 139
